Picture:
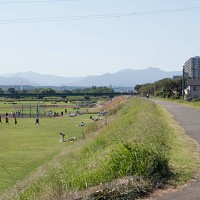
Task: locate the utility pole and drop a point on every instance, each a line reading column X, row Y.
column 30, row 110
column 183, row 85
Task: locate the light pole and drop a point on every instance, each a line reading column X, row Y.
column 183, row 83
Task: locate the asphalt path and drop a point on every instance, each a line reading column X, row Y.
column 189, row 119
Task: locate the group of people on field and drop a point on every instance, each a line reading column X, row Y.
column 37, row 121
column 15, row 119
column 7, row 119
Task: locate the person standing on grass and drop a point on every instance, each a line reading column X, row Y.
column 37, row 120
column 15, row 119
column 7, row 120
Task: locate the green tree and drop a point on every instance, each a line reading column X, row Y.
column 23, row 91
column 66, row 91
column 137, row 87
column 11, row 90
column 1, row 91
column 167, row 88
column 47, row 91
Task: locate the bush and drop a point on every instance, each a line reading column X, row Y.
column 140, row 159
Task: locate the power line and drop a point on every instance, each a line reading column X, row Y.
column 36, row 1
column 64, row 18
column 86, row 17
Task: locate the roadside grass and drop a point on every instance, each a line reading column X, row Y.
column 141, row 141
column 193, row 103
column 184, row 159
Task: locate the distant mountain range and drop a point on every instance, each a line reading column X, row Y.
column 125, row 78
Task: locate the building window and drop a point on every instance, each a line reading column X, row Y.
column 195, row 88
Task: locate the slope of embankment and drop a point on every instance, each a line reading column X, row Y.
column 134, row 150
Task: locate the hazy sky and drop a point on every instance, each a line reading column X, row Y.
column 93, row 37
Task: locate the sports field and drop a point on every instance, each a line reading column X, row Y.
column 26, row 146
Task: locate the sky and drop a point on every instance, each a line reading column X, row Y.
column 75, row 38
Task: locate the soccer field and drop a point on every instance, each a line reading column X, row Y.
column 26, row 146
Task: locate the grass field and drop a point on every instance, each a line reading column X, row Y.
column 136, row 138
column 26, row 146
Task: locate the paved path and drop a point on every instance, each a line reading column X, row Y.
column 189, row 119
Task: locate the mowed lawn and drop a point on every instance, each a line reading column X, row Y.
column 26, row 146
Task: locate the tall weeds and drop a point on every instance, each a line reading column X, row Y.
column 141, row 160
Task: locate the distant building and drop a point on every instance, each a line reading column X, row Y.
column 192, row 89
column 192, row 68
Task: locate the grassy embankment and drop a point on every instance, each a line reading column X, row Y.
column 140, row 140
column 194, row 104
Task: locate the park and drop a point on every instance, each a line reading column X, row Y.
column 26, row 145
column 76, row 146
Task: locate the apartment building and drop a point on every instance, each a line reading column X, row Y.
column 192, row 68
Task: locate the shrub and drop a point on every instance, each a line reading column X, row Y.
column 140, row 159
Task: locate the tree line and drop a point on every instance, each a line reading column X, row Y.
column 166, row 88
column 49, row 90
